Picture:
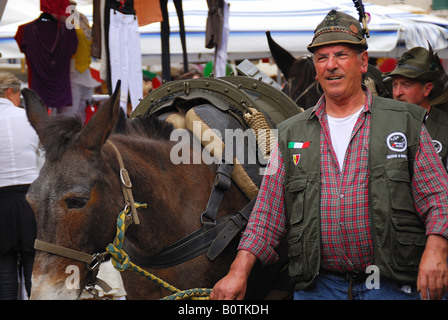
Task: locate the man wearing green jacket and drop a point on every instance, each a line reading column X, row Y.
column 355, row 185
column 413, row 82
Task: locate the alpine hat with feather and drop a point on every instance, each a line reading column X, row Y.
column 338, row 27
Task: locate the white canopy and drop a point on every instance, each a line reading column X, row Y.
column 291, row 23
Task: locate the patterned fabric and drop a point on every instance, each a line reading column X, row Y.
column 345, row 216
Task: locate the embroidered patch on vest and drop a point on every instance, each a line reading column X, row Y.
column 298, row 145
column 296, row 158
column 397, row 142
column 437, row 145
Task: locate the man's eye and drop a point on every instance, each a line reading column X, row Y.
column 76, row 202
column 322, row 59
column 341, row 56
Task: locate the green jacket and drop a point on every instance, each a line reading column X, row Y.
column 398, row 232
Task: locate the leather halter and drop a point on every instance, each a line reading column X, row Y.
column 93, row 261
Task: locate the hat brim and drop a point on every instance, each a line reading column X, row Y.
column 428, row 75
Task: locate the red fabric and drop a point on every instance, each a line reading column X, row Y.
column 388, row 65
column 58, row 7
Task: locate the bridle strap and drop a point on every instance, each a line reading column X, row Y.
column 91, row 260
column 126, row 185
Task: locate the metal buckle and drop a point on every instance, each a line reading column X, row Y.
column 96, row 262
column 212, row 223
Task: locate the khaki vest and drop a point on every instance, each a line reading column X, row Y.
column 398, row 232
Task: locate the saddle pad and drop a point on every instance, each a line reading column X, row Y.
column 242, row 148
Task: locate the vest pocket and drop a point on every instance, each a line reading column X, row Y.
column 408, row 243
column 295, row 251
column 295, row 200
column 400, row 190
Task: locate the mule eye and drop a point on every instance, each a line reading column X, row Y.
column 76, row 202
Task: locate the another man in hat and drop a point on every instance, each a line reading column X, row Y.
column 413, row 82
column 350, row 184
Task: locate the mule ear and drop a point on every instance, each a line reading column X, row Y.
column 283, row 58
column 36, row 111
column 98, row 129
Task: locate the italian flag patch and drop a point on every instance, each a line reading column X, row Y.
column 298, row 145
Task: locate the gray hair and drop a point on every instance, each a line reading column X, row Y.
column 8, row 80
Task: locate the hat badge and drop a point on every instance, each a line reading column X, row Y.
column 332, row 18
column 353, row 28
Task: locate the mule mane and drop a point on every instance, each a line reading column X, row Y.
column 61, row 131
column 152, row 128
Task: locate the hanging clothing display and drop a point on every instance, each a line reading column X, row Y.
column 148, row 11
column 57, row 7
column 97, row 29
column 18, row 37
column 165, row 38
column 214, row 25
column 82, row 82
column 125, row 57
column 220, row 54
column 49, row 45
column 217, row 33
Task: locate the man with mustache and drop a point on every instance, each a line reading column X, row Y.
column 355, row 185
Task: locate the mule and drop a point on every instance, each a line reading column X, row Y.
column 301, row 84
column 78, row 196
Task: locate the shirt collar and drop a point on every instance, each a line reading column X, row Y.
column 319, row 108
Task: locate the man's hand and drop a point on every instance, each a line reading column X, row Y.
column 233, row 285
column 432, row 281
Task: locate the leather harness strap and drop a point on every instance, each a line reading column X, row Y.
column 90, row 260
column 223, row 181
column 126, row 185
column 213, row 237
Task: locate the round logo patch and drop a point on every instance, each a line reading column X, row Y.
column 397, row 141
column 437, row 145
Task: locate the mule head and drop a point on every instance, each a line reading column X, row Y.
column 67, row 197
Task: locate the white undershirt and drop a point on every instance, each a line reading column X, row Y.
column 340, row 133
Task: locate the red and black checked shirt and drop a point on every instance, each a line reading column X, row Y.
column 346, row 242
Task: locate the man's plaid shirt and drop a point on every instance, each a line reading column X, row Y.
column 346, row 242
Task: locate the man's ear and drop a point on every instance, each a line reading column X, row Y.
column 427, row 88
column 364, row 61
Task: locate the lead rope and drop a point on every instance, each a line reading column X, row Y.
column 121, row 262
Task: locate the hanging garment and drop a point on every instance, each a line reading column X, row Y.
column 165, row 38
column 57, row 7
column 125, row 58
column 148, row 11
column 82, row 55
column 96, row 29
column 81, row 79
column 220, row 54
column 49, row 46
column 213, row 29
column 19, row 37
